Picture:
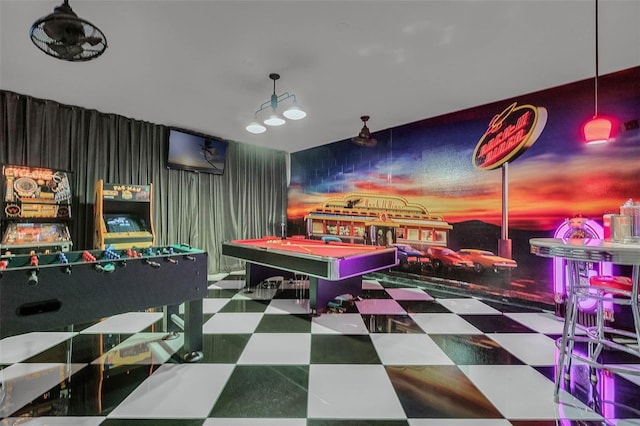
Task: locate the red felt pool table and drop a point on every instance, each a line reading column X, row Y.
column 333, row 268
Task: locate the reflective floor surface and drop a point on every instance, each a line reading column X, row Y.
column 398, row 356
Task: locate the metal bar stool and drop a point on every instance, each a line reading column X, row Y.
column 603, row 291
column 612, row 290
column 607, row 291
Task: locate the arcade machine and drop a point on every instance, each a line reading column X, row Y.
column 36, row 210
column 123, row 218
column 578, row 228
column 123, row 229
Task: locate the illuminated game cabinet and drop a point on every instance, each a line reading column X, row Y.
column 579, row 228
column 123, row 216
column 36, row 210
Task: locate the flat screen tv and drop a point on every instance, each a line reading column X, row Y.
column 196, row 152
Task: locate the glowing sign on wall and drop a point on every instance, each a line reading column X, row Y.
column 509, row 134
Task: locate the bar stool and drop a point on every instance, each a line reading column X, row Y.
column 614, row 290
column 606, row 291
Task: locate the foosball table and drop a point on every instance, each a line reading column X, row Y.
column 40, row 292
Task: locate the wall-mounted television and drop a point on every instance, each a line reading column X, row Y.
column 187, row 150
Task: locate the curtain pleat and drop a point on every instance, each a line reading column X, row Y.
column 199, row 209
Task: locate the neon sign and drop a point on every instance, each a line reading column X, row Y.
column 509, row 135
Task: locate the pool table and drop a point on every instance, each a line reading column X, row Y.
column 333, row 268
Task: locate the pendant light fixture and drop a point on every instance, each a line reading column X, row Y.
column 598, row 129
column 274, row 119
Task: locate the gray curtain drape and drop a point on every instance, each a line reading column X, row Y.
column 198, row 209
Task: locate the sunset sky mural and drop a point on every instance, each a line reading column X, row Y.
column 430, row 162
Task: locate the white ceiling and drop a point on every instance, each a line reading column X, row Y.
column 204, row 65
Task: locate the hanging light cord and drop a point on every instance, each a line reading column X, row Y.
column 274, row 97
column 596, row 80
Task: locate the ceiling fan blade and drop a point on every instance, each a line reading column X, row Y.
column 66, row 51
column 93, row 41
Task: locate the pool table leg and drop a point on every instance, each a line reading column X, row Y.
column 255, row 274
column 322, row 291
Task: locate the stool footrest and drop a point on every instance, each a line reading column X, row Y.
column 596, row 364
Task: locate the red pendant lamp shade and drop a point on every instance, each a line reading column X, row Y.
column 597, row 130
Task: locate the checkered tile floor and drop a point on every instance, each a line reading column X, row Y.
column 399, row 356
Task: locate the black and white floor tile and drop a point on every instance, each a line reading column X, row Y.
column 398, row 356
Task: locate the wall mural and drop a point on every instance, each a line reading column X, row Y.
column 435, row 187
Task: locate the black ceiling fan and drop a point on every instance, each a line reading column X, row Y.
column 364, row 137
column 64, row 35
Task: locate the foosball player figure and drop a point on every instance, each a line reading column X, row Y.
column 165, row 250
column 133, row 253
column 62, row 258
column 33, row 276
column 88, row 257
column 111, row 254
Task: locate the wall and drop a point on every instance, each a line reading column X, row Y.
column 198, row 209
column 429, row 162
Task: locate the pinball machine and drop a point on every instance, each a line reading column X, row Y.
column 36, row 210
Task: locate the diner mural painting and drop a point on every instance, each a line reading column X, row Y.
column 476, row 185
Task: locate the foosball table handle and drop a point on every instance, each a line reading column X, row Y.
column 108, row 267
column 154, row 265
column 33, row 277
